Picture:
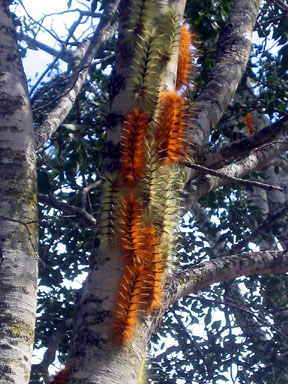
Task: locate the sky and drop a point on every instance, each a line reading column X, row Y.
column 36, row 62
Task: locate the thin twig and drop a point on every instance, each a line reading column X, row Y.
column 221, row 175
column 231, row 304
column 82, row 214
column 50, row 66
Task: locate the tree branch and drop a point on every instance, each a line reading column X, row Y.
column 63, row 55
column 232, row 57
column 202, row 275
column 80, row 213
column 268, row 223
column 221, row 175
column 60, row 112
column 255, row 161
column 241, row 147
column 50, row 354
column 51, row 65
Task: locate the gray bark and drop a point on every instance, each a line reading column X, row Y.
column 18, row 213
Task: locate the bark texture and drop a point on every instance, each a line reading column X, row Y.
column 18, row 213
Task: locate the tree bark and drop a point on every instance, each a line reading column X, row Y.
column 18, row 213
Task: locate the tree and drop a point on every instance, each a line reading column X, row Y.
column 230, row 175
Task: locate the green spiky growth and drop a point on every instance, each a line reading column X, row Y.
column 144, row 81
column 148, row 186
column 110, row 202
column 154, row 48
column 141, row 17
column 168, row 226
column 163, row 192
column 168, row 31
column 142, row 378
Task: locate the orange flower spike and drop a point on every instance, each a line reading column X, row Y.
column 248, row 120
column 130, row 222
column 170, row 133
column 147, row 244
column 133, row 150
column 151, row 275
column 184, row 60
column 128, row 306
column 152, row 282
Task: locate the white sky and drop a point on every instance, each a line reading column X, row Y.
column 36, row 61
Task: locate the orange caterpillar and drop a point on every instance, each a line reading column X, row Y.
column 133, row 151
column 248, row 120
column 140, row 288
column 184, row 59
column 129, row 302
column 153, row 273
column 62, row 376
column 153, row 269
column 147, row 244
column 130, row 222
column 169, row 136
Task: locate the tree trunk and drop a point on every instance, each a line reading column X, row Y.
column 18, row 213
column 94, row 356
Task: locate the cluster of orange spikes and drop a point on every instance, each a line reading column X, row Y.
column 133, row 153
column 184, row 59
column 248, row 120
column 170, row 134
column 140, row 287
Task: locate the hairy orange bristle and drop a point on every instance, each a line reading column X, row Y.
column 133, row 151
column 248, row 120
column 184, row 59
column 130, row 224
column 170, row 133
column 62, row 376
column 151, row 274
column 140, row 289
column 147, row 246
column 152, row 281
column 129, row 303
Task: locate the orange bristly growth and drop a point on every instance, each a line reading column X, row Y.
column 147, row 244
column 133, row 151
column 129, row 304
column 248, row 120
column 130, row 224
column 184, row 59
column 62, row 376
column 151, row 275
column 140, row 288
column 170, row 132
